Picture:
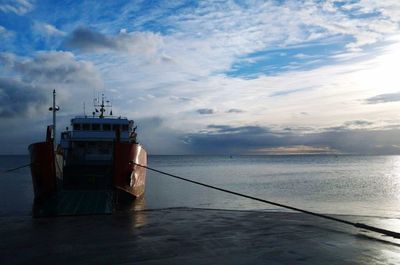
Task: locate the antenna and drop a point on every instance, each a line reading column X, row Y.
column 104, row 103
column 84, row 108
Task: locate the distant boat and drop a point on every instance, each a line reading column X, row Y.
column 92, row 167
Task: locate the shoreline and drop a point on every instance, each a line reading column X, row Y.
column 214, row 209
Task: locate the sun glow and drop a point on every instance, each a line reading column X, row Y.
column 381, row 73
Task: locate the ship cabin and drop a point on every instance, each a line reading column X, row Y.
column 88, row 150
column 92, row 138
column 88, row 147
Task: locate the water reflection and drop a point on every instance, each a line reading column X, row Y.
column 135, row 208
column 396, row 177
column 131, row 205
column 391, row 254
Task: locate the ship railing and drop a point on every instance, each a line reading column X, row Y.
column 97, row 117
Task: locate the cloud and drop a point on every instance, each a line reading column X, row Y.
column 288, row 92
column 234, row 111
column 47, row 30
column 384, row 98
column 158, row 138
column 6, row 35
column 3, row 30
column 88, row 40
column 19, row 7
column 75, row 80
column 207, row 39
column 225, row 139
column 348, row 125
column 205, row 111
column 26, row 85
column 358, row 123
column 181, row 99
column 295, row 150
column 193, row 47
column 222, row 139
column 226, row 129
column 52, row 68
column 18, row 98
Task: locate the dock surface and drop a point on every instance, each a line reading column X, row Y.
column 192, row 236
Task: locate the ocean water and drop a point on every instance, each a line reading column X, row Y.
column 345, row 184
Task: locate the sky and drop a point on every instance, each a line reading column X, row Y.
column 208, row 77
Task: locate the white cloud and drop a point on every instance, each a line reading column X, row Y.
column 175, row 73
column 47, row 30
column 6, row 35
column 19, row 7
column 330, row 95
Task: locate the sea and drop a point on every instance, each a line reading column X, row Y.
column 329, row 184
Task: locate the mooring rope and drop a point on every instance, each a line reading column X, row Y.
column 16, row 168
column 358, row 225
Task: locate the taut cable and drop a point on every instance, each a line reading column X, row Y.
column 358, row 225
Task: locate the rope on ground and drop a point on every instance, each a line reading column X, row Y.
column 358, row 225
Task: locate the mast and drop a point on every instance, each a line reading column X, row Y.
column 102, row 109
column 102, row 105
column 54, row 109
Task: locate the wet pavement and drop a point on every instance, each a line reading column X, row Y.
column 195, row 236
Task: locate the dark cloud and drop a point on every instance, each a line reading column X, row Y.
column 222, row 129
column 205, row 111
column 52, row 67
column 223, row 139
column 234, row 111
column 356, row 124
column 26, row 86
column 88, row 40
column 74, row 80
column 383, row 98
column 18, row 98
column 360, row 123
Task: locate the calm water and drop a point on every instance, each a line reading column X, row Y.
column 359, row 185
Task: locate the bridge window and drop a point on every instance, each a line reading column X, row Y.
column 124, row 127
column 107, row 127
column 115, row 127
column 77, row 126
column 96, row 127
column 86, row 127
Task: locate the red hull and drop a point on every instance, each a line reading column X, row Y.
column 126, row 177
column 43, row 169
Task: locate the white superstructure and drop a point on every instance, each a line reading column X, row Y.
column 92, row 137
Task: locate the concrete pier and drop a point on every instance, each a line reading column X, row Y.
column 193, row 236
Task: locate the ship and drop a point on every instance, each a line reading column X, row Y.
column 93, row 167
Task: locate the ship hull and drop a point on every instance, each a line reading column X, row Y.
column 127, row 181
column 128, row 176
column 43, row 170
